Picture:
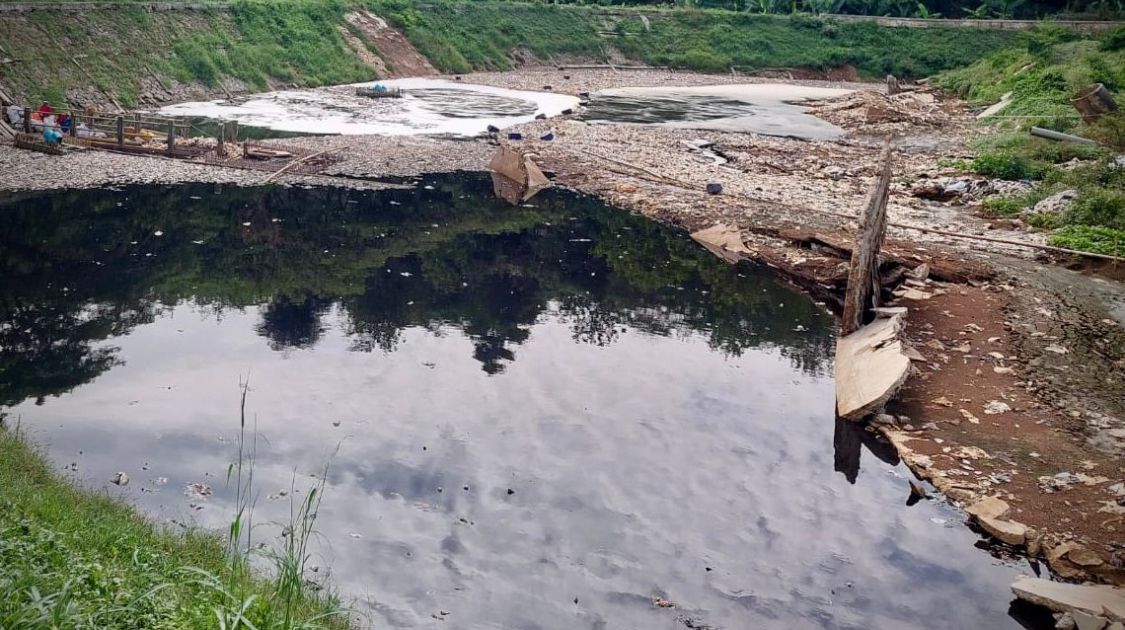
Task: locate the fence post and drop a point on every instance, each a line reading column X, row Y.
column 120, row 131
column 221, row 150
column 27, row 120
column 73, row 123
column 171, row 135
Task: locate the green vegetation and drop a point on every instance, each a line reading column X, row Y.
column 1100, row 240
column 125, row 53
column 461, row 36
column 294, row 42
column 77, row 559
column 1047, row 68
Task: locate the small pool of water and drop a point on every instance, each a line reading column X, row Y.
column 541, row 416
column 429, row 106
column 769, row 109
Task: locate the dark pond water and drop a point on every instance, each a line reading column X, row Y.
column 536, row 417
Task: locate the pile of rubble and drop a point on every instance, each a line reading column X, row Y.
column 870, row 110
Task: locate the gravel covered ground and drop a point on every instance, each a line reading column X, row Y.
column 592, row 80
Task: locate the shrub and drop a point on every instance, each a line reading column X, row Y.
column 1004, row 206
column 1114, row 40
column 1007, row 166
column 1100, row 207
column 1109, row 130
column 704, row 61
column 1099, row 240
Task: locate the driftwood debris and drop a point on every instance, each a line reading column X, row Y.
column 515, row 176
column 1094, row 103
column 871, row 362
column 724, row 241
column 290, row 165
column 863, row 275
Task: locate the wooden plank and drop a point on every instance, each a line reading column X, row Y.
column 863, row 274
column 871, row 365
column 724, row 241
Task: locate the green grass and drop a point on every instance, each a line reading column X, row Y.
column 264, row 43
column 1043, row 71
column 460, row 36
column 78, row 559
column 1099, row 240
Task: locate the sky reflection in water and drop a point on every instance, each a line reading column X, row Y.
column 654, row 412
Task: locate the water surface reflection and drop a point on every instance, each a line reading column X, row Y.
column 542, row 416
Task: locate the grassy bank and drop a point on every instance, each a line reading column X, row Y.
column 71, row 558
column 461, row 36
column 124, row 53
column 1043, row 71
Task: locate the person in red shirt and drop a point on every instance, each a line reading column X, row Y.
column 45, row 109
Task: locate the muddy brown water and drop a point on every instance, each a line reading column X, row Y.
column 543, row 416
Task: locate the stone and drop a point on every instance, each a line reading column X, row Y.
column 996, row 407
column 1084, row 557
column 1010, row 532
column 884, row 418
column 990, row 507
column 121, row 479
column 1097, row 600
column 1057, row 203
column 1086, row 621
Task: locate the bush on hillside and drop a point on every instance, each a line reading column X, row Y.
column 1005, row 165
column 1114, row 40
column 1101, row 207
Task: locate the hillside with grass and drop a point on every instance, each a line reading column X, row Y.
column 133, row 56
column 1042, row 72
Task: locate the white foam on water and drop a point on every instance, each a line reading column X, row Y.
column 436, row 107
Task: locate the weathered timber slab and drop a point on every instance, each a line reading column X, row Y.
column 871, row 365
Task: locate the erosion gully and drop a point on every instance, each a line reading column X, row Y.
column 555, row 415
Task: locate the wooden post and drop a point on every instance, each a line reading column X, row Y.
column 234, row 131
column 73, row 123
column 27, row 120
column 863, row 275
column 221, row 150
column 892, row 85
column 120, row 131
column 171, row 136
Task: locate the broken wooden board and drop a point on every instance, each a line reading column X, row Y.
column 1098, row 600
column 871, row 365
column 525, row 179
column 724, row 241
